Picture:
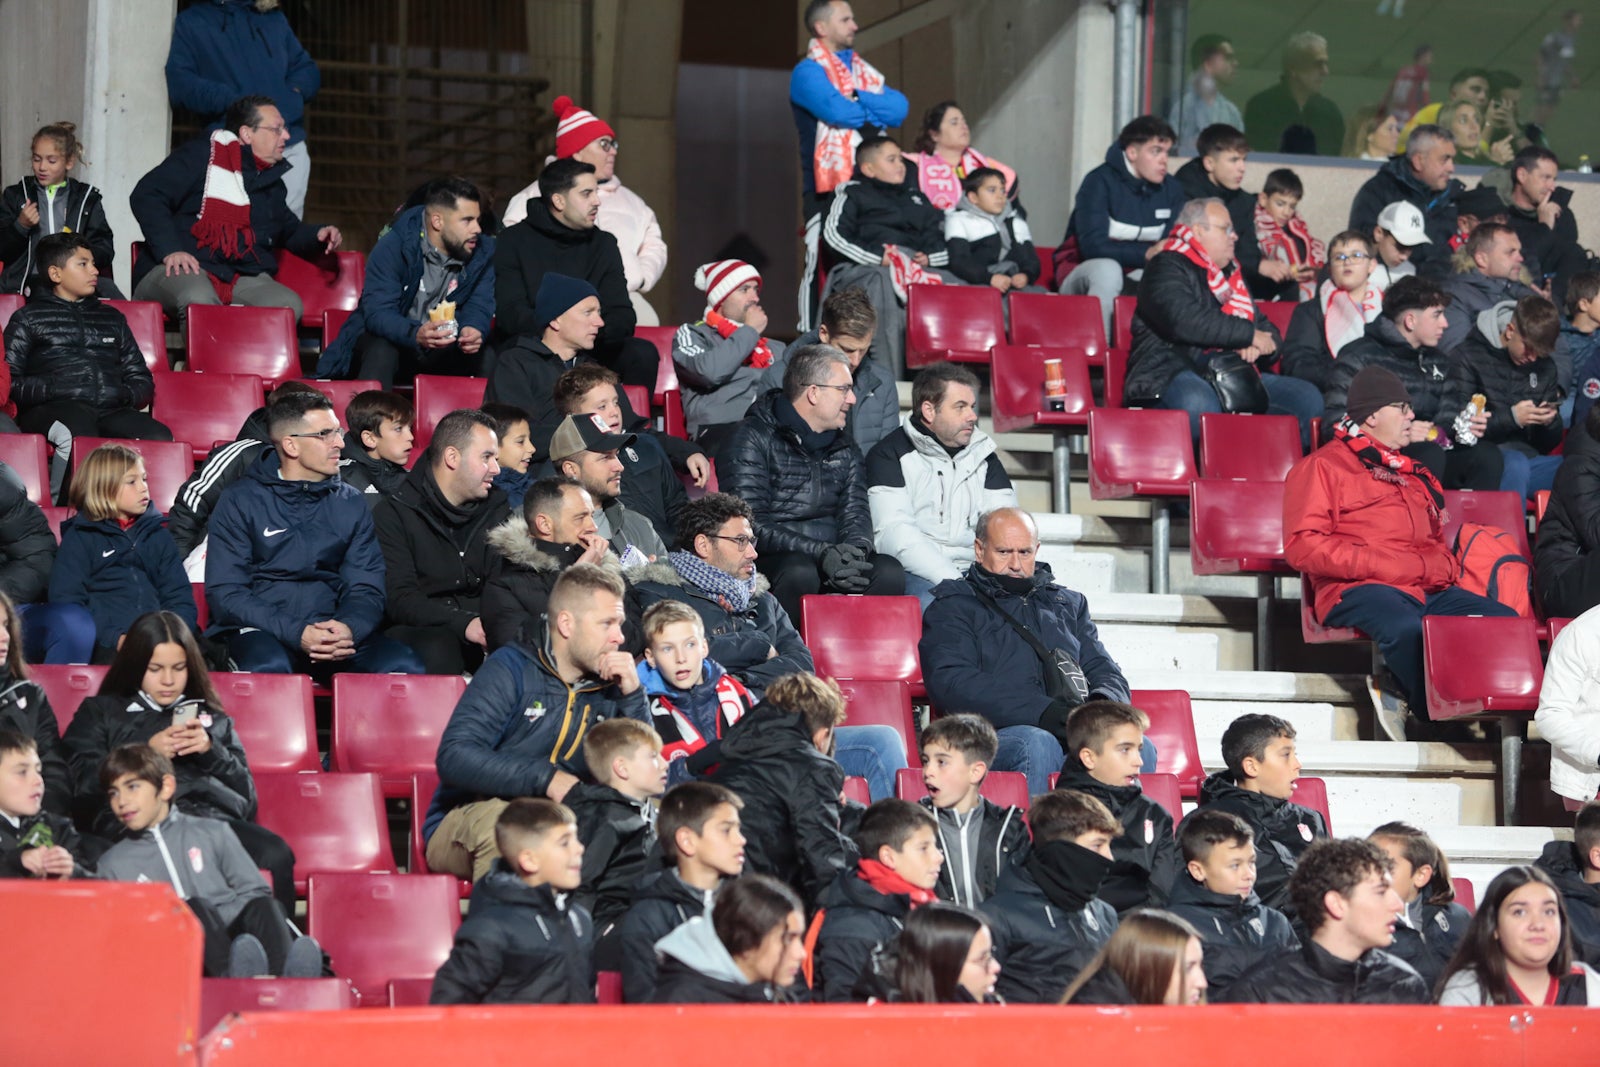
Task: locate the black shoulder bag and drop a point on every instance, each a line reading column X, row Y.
column 1063, row 678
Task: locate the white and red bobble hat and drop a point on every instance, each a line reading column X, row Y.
column 718, row 280
column 576, row 127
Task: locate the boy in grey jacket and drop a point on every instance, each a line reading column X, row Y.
column 723, row 360
column 247, row 934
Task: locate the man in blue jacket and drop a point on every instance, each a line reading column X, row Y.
column 518, row 729
column 1122, row 211
column 433, row 254
column 224, row 49
column 294, row 573
column 974, row 660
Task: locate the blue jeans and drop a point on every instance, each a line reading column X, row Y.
column 1525, row 475
column 1034, row 752
column 1147, row 756
column 1394, row 621
column 875, row 753
column 921, row 588
column 56, row 633
column 1285, row 396
column 261, row 653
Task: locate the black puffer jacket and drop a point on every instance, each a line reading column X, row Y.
column 858, row 924
column 1570, row 529
column 1311, row 974
column 375, row 477
column 1041, row 943
column 85, row 215
column 619, row 846
column 27, row 547
column 1395, row 181
column 538, row 245
column 1427, row 936
column 1480, row 365
column 1422, row 370
column 518, row 590
column 1145, row 857
column 63, row 350
column 1238, row 932
column 521, row 945
column 1177, row 323
column 1283, row 831
column 805, row 499
column 662, row 903
column 1560, row 861
column 25, row 709
column 791, row 801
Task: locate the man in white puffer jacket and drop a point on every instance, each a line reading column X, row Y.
column 929, row 480
column 1569, row 708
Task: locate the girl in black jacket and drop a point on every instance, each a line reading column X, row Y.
column 750, row 952
column 1434, row 923
column 158, row 692
column 1153, row 958
column 945, row 955
column 46, row 202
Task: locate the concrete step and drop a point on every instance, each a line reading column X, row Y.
column 1313, row 721
column 1502, row 845
column 1356, row 804
column 1089, row 572
column 1417, row 759
column 1139, row 647
column 1254, row 686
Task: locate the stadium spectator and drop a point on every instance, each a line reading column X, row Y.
column 1569, row 715
column 1494, row 253
column 1574, row 867
column 1470, row 84
column 585, row 449
column 25, row 710
column 51, row 633
column 1408, row 93
column 1203, row 103
column 848, row 322
column 747, row 951
column 516, row 452
column 1464, row 121
column 1373, row 135
column 377, row 447
column 35, row 842
column 979, row 838
column 1399, row 230
column 982, row 642
column 693, row 699
column 55, row 203
column 1578, row 352
column 623, row 212
column 1286, row 256
column 1154, row 957
column 1272, row 115
column 1218, row 166
column 552, row 530
column 988, row 241
column 1423, row 178
column 1540, row 211
column 428, row 297
column 206, row 249
column 568, row 311
column 1432, row 924
column 944, row 159
column 945, row 955
column 1567, row 553
column 724, row 361
column 1519, row 949
column 1345, row 303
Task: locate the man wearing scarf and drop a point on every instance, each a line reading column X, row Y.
column 724, row 362
column 1365, row 522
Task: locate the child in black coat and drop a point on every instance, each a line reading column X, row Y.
column 979, row 838
column 1433, row 924
column 48, row 201
column 34, row 843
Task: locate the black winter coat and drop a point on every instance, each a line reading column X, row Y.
column 1238, row 932
column 1395, row 181
column 25, row 709
column 1477, row 366
column 63, row 350
column 682, row 984
column 62, row 833
column 521, row 944
column 374, row 477
column 1570, row 529
column 1283, row 831
column 858, row 925
column 539, row 245
column 1559, row 860
column 1305, row 345
column 27, row 547
column 1427, row 937
column 791, row 801
column 518, row 590
column 619, row 847
column 1144, row 860
column 85, row 215
column 868, row 214
column 662, row 903
column 804, row 500
column 1422, row 370
column 1311, row 974
column 1002, row 839
column 1178, row 323
column 1041, row 947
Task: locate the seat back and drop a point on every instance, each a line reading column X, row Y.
column 149, row 325
column 203, row 409
column 10, row 304
column 855, row 788
column 638, row 399
column 959, row 323
column 221, row 997
column 1480, row 665
column 410, row 992
column 1466, row 894
column 390, row 724
column 1006, row 788
column 1171, row 730
column 1236, row 526
column 273, row 716
column 1489, row 507
column 243, row 340
column 55, row 517
column 1163, row 789
column 379, row 927
column 436, row 396
column 874, row 703
column 1313, row 793
column 66, row 685
column 29, row 455
column 341, row 392
column 1016, row 376
column 423, row 785
column 867, row 638
column 167, row 464
column 1122, row 322
column 666, row 370
column 608, row 987
column 333, row 320
column 1139, row 452
column 1278, row 312
column 334, row 822
column 1056, row 321
column 331, row 283
column 1258, row 447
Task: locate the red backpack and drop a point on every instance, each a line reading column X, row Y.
column 1492, row 565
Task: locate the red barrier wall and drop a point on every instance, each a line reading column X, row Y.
column 909, row 1037
column 97, row 974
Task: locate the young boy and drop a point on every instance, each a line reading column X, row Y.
column 978, row 837
column 1343, row 893
column 1261, row 769
column 1103, row 760
column 1216, row 894
column 1047, row 920
column 1577, row 354
column 1574, row 866
column 247, row 934
column 1399, row 231
column 988, row 242
column 1338, row 314
column 1433, row 924
column 865, row 909
column 526, row 941
column 616, row 822
column 516, row 451
column 1289, row 255
column 700, row 835
column 692, row 699
column 378, row 443
column 33, row 842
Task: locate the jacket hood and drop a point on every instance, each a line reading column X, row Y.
column 980, row 448
column 666, row 885
column 655, row 685
column 1074, row 775
column 1117, row 160
column 148, row 522
column 265, row 467
column 967, row 207
column 540, row 219
column 1221, row 786
column 511, row 540
column 767, row 731
column 1492, row 322
column 695, row 945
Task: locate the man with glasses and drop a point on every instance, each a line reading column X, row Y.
column 795, row 464
column 294, row 573
column 214, row 214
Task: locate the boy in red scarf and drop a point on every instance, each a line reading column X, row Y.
column 1290, row 256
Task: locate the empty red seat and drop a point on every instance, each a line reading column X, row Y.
column 334, row 822
column 272, row 713
column 1313, row 793
column 390, row 724
column 10, row 304
column 855, row 788
column 1172, row 732
column 341, row 393
column 1480, row 665
column 959, row 323
column 1163, row 789
column 1489, row 507
column 1058, row 321
column 1466, row 895
column 66, row 685
column 149, row 325
column 379, row 927
column 423, row 785
column 638, row 399
column 436, row 396
column 1278, row 312
column 221, row 997
column 867, row 638
column 203, row 409
column 1017, row 376
column 332, row 322
column 1139, row 452
column 873, row 703
column 1236, row 527
column 332, row 282
column 167, row 464
column 1006, row 788
column 55, row 517
column 410, row 992
column 1258, row 447
column 243, row 340
column 29, row 455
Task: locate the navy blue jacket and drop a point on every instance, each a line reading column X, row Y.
column 518, row 724
column 121, row 574
column 283, row 555
column 394, row 270
column 226, row 49
column 974, row 661
column 1118, row 215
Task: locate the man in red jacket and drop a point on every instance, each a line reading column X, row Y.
column 1366, row 523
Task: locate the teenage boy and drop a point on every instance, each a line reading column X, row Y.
column 1343, row 894
column 1216, row 893
column 865, row 909
column 247, row 934
column 979, row 838
column 378, row 440
column 616, row 822
column 1400, row 229
column 33, row 842
column 1338, row 314
column 1578, row 350
column 1046, row 917
column 1260, row 771
column 1282, row 261
column 1217, row 169
column 700, row 835
column 516, row 452
column 1574, row 866
column 692, row 699
column 1104, row 738
column 527, row 941
column 989, row 243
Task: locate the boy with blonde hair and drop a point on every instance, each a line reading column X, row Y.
column 693, row 700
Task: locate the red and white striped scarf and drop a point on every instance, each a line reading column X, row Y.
column 1276, row 243
column 760, row 357
column 223, row 225
column 904, row 272
column 1344, row 316
column 1229, row 289
column 834, row 158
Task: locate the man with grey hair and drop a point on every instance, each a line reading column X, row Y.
column 1294, row 116
column 802, row 474
column 1424, row 178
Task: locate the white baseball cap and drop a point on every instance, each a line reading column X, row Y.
column 1404, row 221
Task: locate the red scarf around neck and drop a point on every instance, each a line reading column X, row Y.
column 1229, row 289
column 1385, row 463
column 890, row 884
column 834, row 154
column 725, row 327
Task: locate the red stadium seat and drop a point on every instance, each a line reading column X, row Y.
column 1260, row 448
column 149, row 325
column 423, row 785
column 1055, row 321
column 608, row 987
column 1313, row 793
column 334, row 822
column 66, row 685
column 221, row 997
column 1480, row 666
column 341, row 393
column 379, row 927
column 1146, row 453
column 1541, row 503
column 866, row 638
column 437, row 395
column 202, row 608
column 29, row 455
column 1047, row 266
column 1236, row 527
column 330, row 283
column 1018, row 403
column 55, row 517
column 1314, row 632
column 1122, row 322
column 959, row 323
column 1278, row 312
column 1006, row 788
column 855, row 788
column 1489, row 507
column 1466, row 895
column 272, row 713
column 243, row 340
column 638, row 399
column 667, row 394
column 410, row 992
column 1116, row 375
column 1163, row 789
column 1172, row 732
column 1556, row 626
column 333, row 320
column 871, row 703
column 167, row 464
column 203, row 409
column 390, row 724
column 10, row 304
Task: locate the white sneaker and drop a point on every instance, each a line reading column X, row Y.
column 1389, row 710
